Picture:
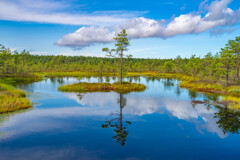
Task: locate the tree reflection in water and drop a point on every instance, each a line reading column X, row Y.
column 228, row 117
column 120, row 126
column 229, row 120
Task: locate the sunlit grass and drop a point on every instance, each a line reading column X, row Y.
column 6, row 89
column 13, row 103
column 103, row 87
column 205, row 87
column 12, row 99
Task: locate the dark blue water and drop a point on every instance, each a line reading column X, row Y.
column 159, row 123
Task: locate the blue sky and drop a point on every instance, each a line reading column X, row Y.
column 157, row 29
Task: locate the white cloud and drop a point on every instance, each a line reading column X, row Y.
column 141, row 27
column 43, row 11
column 87, row 36
column 182, row 25
column 218, row 14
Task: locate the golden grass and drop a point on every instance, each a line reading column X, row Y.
column 12, row 99
column 103, row 87
column 204, row 87
column 13, row 103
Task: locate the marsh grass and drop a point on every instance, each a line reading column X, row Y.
column 12, row 99
column 77, row 74
column 204, row 87
column 198, row 84
column 103, row 87
column 27, row 75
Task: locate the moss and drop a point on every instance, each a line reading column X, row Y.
column 12, row 99
column 103, row 87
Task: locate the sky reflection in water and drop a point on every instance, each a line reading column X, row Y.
column 159, row 123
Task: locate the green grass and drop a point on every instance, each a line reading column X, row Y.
column 12, row 99
column 103, row 87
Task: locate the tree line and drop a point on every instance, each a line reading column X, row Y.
column 223, row 66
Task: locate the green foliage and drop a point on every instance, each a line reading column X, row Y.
column 121, row 46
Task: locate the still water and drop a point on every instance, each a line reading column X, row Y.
column 159, row 123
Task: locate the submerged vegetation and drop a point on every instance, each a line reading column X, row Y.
column 125, row 87
column 12, row 99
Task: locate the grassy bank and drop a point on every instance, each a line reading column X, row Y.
column 23, row 78
column 211, row 87
column 189, row 82
column 103, row 87
column 77, row 74
column 87, row 74
column 199, row 84
column 109, row 74
column 12, row 99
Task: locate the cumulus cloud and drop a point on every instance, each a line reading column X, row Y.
column 216, row 14
column 86, row 36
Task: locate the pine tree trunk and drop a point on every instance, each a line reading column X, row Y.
column 227, row 76
column 238, row 73
column 226, row 79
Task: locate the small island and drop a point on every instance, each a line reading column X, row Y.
column 121, row 87
column 125, row 87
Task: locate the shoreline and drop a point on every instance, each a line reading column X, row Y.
column 188, row 82
column 12, row 99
